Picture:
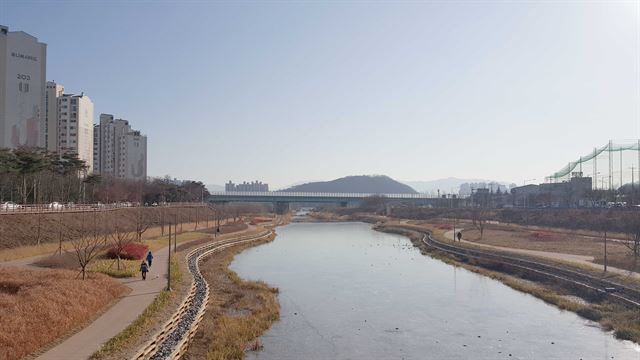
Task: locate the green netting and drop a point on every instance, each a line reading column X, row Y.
column 609, row 147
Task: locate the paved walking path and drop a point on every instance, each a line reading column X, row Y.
column 88, row 340
column 579, row 259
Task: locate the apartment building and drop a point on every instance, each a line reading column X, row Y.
column 23, row 62
column 118, row 150
column 53, row 92
column 75, row 127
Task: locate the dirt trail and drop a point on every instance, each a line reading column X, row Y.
column 577, row 259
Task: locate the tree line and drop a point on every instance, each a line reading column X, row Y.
column 35, row 176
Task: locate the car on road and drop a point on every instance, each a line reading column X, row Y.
column 55, row 206
column 9, row 205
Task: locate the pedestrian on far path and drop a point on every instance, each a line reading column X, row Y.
column 144, row 269
column 459, row 235
column 149, row 258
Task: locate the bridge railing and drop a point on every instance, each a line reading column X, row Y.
column 278, row 194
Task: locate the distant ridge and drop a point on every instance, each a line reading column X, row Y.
column 376, row 184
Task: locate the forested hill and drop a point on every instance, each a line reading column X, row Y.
column 379, row 184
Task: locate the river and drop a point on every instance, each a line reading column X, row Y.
column 348, row 292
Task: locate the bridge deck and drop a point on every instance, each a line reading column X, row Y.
column 273, row 196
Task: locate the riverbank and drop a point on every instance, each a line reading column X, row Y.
column 623, row 321
column 128, row 342
column 239, row 311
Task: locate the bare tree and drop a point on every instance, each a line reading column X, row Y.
column 61, row 232
column 143, row 223
column 87, row 243
column 479, row 219
column 119, row 238
column 631, row 225
column 196, row 226
column 603, row 223
column 38, row 232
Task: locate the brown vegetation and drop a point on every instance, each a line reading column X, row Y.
column 39, row 306
column 238, row 312
column 548, row 240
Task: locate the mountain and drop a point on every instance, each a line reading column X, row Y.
column 284, row 188
column 447, row 185
column 377, row 184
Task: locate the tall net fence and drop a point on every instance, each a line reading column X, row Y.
column 610, row 166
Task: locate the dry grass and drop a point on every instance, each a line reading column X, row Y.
column 68, row 261
column 160, row 242
column 238, row 313
column 17, row 233
column 538, row 239
column 39, row 306
column 128, row 268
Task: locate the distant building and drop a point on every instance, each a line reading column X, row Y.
column 22, row 89
column 53, row 92
column 467, row 189
column 245, row 186
column 570, row 193
column 75, row 127
column 118, row 150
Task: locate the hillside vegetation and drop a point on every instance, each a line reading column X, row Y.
column 378, row 184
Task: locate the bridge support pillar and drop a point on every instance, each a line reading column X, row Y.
column 281, row 207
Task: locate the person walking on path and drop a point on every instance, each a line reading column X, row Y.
column 144, row 269
column 149, row 258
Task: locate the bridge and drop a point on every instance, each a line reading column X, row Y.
column 283, row 199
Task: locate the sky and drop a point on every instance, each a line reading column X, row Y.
column 284, row 91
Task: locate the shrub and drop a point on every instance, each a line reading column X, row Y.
column 627, row 334
column 129, row 252
column 590, row 313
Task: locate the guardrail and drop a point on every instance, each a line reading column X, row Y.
column 285, row 194
column 47, row 208
column 171, row 341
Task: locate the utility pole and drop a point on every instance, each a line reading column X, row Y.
column 633, row 189
column 175, row 232
column 169, row 262
column 605, row 251
column 454, row 226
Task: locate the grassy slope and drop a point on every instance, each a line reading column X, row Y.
column 39, row 306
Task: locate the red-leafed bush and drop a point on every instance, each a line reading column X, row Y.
column 132, row 251
column 445, row 227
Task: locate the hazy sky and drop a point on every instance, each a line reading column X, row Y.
column 289, row 91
